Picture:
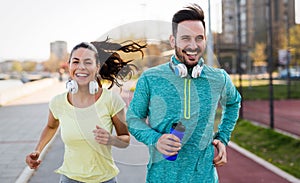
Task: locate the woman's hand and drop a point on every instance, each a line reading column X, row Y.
column 102, row 136
column 32, row 160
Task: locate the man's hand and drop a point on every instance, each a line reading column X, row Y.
column 221, row 158
column 168, row 144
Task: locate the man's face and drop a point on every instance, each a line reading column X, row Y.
column 189, row 42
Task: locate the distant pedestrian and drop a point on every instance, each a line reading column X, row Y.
column 184, row 90
column 87, row 113
column 61, row 71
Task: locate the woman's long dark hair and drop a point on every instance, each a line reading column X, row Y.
column 113, row 67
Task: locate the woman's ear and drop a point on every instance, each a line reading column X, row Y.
column 172, row 41
column 98, row 68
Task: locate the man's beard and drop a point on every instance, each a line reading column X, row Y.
column 180, row 55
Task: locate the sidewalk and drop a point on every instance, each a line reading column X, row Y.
column 23, row 120
column 21, row 123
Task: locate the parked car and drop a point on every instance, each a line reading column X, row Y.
column 294, row 73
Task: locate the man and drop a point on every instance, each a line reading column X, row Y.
column 188, row 91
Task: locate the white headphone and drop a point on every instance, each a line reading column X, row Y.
column 72, row 86
column 181, row 70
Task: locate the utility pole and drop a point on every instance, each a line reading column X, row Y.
column 210, row 44
column 239, row 55
column 270, row 63
column 288, row 54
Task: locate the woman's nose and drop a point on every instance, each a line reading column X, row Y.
column 81, row 65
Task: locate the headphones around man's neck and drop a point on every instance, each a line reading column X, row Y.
column 181, row 70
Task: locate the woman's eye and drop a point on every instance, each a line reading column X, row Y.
column 75, row 62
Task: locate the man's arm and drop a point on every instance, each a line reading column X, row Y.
column 230, row 102
column 137, row 114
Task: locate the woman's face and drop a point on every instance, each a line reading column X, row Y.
column 83, row 67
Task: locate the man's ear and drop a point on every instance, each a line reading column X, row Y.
column 172, row 41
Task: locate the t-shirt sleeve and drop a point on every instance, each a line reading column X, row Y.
column 53, row 106
column 117, row 103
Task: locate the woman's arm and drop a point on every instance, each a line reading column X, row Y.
column 123, row 137
column 120, row 140
column 47, row 134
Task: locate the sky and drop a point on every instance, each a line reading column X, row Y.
column 297, row 13
column 28, row 27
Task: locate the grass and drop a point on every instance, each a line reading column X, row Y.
column 281, row 150
column 279, row 91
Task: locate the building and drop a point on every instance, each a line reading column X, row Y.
column 245, row 23
column 59, row 50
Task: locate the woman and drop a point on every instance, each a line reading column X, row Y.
column 87, row 113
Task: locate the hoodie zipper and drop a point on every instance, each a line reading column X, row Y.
column 187, row 98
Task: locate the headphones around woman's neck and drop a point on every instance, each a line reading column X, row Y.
column 181, row 70
column 72, row 86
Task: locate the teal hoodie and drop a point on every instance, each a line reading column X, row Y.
column 162, row 98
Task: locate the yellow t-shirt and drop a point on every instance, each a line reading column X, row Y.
column 84, row 159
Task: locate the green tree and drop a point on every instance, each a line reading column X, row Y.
column 16, row 67
column 294, row 39
column 258, row 55
column 53, row 64
column 29, row 66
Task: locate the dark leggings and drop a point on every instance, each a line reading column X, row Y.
column 65, row 179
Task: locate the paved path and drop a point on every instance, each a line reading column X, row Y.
column 241, row 169
column 23, row 120
column 21, row 123
column 286, row 114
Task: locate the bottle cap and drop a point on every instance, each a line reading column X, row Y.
column 178, row 127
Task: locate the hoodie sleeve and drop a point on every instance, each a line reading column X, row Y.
column 230, row 102
column 137, row 113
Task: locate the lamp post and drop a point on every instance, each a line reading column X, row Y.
column 239, row 55
column 270, row 63
column 210, row 43
column 288, row 51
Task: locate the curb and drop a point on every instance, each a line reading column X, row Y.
column 264, row 163
column 13, row 93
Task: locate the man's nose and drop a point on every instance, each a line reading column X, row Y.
column 193, row 44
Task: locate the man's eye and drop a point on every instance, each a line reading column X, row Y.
column 199, row 38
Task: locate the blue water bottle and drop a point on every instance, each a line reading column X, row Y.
column 178, row 130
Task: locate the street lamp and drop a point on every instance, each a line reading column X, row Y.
column 239, row 55
column 270, row 63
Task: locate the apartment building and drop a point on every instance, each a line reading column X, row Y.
column 245, row 23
